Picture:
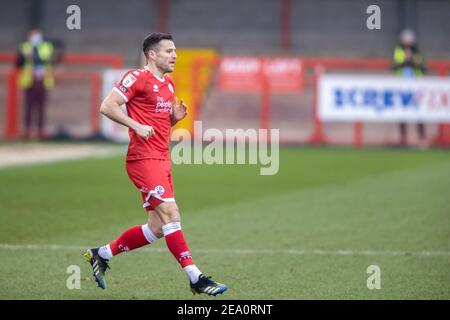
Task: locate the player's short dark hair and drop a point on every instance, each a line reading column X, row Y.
column 151, row 42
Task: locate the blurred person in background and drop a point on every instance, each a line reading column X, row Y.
column 35, row 59
column 408, row 62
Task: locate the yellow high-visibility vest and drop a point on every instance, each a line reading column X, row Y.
column 400, row 57
column 45, row 52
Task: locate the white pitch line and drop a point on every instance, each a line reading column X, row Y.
column 341, row 252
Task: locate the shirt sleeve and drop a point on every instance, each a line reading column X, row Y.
column 130, row 85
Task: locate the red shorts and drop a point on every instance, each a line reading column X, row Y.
column 153, row 177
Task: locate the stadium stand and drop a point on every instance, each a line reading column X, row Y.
column 259, row 28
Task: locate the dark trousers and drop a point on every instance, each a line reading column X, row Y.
column 403, row 132
column 35, row 99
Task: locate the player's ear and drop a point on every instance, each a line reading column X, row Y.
column 152, row 54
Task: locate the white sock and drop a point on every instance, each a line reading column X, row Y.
column 171, row 228
column 148, row 234
column 192, row 272
column 105, row 252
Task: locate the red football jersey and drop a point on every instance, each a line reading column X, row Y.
column 149, row 102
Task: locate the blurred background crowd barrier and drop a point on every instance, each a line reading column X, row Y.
column 243, row 64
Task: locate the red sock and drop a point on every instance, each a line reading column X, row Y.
column 177, row 244
column 131, row 239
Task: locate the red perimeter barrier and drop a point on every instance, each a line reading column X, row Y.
column 12, row 92
column 12, row 102
column 318, row 66
column 262, row 86
column 440, row 67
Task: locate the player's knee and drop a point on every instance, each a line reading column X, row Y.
column 156, row 230
column 168, row 212
column 173, row 215
column 155, row 224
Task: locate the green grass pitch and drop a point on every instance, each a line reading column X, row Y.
column 267, row 237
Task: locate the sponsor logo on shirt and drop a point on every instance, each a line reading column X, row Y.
column 163, row 106
column 129, row 80
column 123, row 89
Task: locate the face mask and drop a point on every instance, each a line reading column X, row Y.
column 36, row 39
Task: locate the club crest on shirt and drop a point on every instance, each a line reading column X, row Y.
column 159, row 190
column 129, row 80
column 155, row 88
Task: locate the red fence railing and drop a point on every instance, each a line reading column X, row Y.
column 11, row 130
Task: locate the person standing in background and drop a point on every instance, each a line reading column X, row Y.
column 35, row 59
column 408, row 62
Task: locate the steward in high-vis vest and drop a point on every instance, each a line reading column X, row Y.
column 407, row 59
column 35, row 60
column 408, row 62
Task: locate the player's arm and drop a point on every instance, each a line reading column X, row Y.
column 179, row 111
column 110, row 107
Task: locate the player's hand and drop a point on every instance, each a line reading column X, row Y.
column 144, row 131
column 179, row 110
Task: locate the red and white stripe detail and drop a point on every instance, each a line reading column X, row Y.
column 153, row 193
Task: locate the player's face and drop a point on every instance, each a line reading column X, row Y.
column 166, row 56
